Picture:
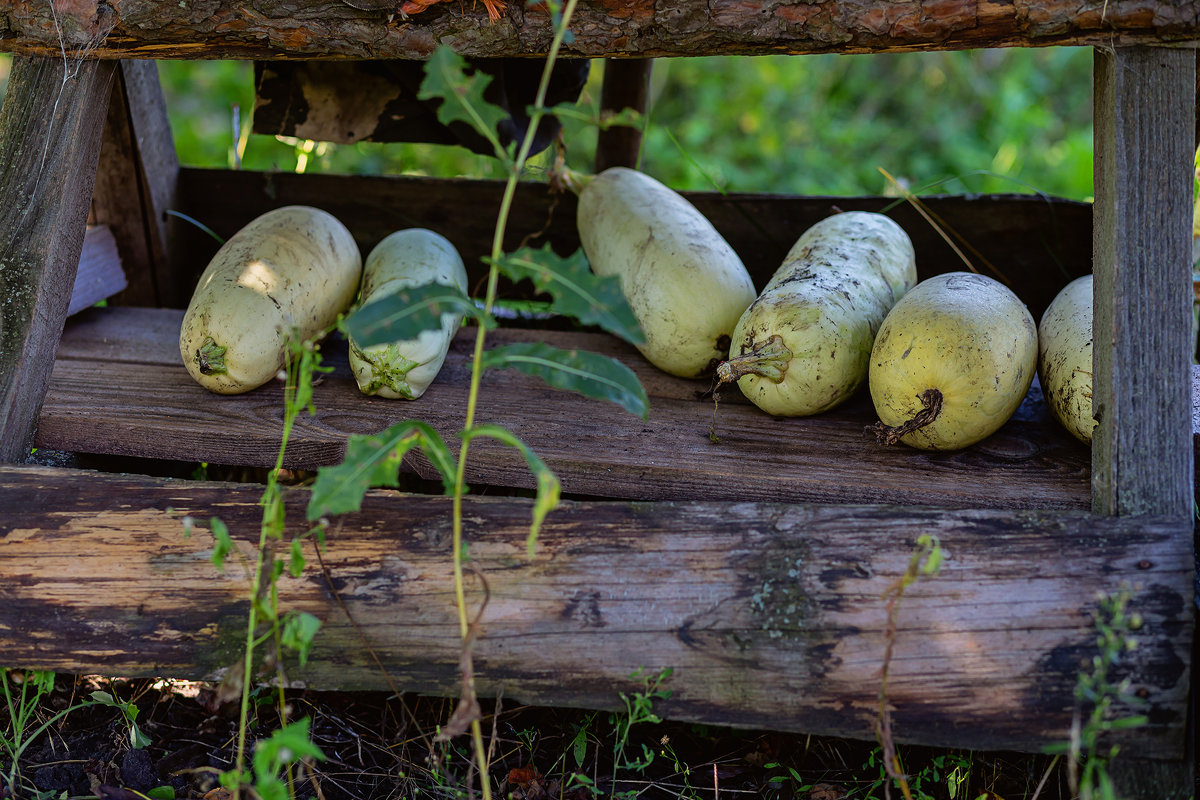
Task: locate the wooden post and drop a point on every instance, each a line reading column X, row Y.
column 1142, row 456
column 626, row 85
column 1144, row 129
column 135, row 183
column 50, row 129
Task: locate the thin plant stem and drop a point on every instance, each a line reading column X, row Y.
column 510, row 190
column 269, row 525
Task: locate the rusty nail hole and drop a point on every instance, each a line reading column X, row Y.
column 1144, row 564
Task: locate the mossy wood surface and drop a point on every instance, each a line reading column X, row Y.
column 50, row 130
column 1035, row 244
column 119, row 386
column 371, row 28
column 771, row 615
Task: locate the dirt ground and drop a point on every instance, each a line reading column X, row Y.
column 381, row 746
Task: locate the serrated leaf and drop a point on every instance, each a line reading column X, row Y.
column 548, row 487
column 372, row 461
column 589, row 374
column 576, row 291
column 446, row 77
column 405, row 314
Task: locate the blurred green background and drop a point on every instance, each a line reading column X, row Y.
column 1011, row 120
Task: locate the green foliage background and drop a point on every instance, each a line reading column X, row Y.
column 1013, row 120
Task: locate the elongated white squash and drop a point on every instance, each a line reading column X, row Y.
column 803, row 346
column 685, row 284
column 407, row 258
column 952, row 362
column 294, row 268
column 1065, row 358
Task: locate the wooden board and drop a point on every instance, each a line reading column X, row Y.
column 370, row 29
column 1144, row 161
column 1035, row 244
column 771, row 615
column 50, row 130
column 119, row 385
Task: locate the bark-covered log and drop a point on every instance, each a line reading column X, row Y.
column 368, row 29
column 771, row 615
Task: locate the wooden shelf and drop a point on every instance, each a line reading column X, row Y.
column 119, row 370
column 369, row 29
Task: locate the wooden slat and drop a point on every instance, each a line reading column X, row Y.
column 135, row 184
column 50, row 129
column 771, row 615
column 1142, row 453
column 99, row 275
column 368, row 29
column 119, row 373
column 626, row 85
column 1035, row 244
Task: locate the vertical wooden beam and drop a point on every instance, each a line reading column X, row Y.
column 50, row 129
column 136, row 183
column 1144, row 130
column 626, row 85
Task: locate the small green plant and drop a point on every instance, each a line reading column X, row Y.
column 23, row 695
column 267, row 625
column 574, row 291
column 1099, row 695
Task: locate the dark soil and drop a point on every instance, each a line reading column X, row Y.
column 380, row 746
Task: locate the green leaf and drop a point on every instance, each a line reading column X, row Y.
column 299, row 630
column 138, row 739
column 162, row 793
column 296, row 558
column 447, row 76
column 404, row 315
column 576, row 290
column 224, row 544
column 548, row 487
column 374, row 460
column 604, row 119
column 589, row 374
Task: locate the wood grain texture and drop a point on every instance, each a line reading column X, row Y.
column 99, row 275
column 135, row 183
column 771, row 615
column 119, row 372
column 1036, row 245
column 50, row 129
column 1142, row 453
column 327, row 28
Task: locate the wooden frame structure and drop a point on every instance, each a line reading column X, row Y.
column 755, row 570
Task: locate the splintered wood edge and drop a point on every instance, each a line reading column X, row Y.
column 771, row 615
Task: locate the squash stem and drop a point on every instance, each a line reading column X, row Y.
column 931, row 399
column 768, row 360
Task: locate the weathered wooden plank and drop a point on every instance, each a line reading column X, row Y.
column 771, row 615
column 1035, row 244
column 626, row 85
column 1142, row 453
column 119, row 372
column 368, row 29
column 135, row 184
column 99, row 275
column 50, row 129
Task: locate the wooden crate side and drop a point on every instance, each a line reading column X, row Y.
column 771, row 615
column 369, row 29
column 50, row 130
column 1035, row 244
